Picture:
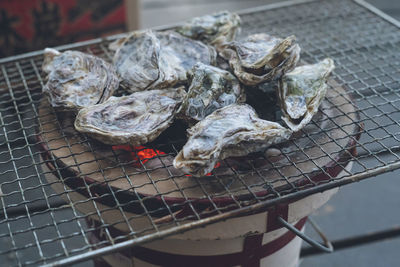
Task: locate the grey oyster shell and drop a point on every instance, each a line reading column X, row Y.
column 211, row 89
column 301, row 91
column 135, row 119
column 136, row 60
column 76, row 80
column 234, row 130
column 148, row 60
column 216, row 29
column 261, row 57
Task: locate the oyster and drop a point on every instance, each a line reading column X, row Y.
column 234, row 130
column 154, row 60
column 211, row 89
column 301, row 91
column 261, row 57
column 135, row 119
column 216, row 29
column 136, row 60
column 76, row 80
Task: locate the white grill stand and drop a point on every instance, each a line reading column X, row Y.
column 228, row 237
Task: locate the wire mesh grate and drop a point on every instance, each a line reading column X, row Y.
column 53, row 179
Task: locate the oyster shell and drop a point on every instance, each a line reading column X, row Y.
column 261, row 57
column 154, row 60
column 302, row 90
column 234, row 130
column 211, row 89
column 135, row 119
column 76, row 80
column 216, row 29
column 136, row 60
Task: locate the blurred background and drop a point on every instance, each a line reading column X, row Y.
column 28, row 25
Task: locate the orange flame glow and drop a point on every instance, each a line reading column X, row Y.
column 139, row 153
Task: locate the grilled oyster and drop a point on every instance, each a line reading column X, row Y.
column 260, row 57
column 154, row 60
column 211, row 89
column 76, row 80
column 234, row 130
column 135, row 119
column 136, row 60
column 301, row 91
column 216, row 29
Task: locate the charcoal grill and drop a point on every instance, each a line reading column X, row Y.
column 45, row 164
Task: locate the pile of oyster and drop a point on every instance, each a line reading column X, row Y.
column 198, row 73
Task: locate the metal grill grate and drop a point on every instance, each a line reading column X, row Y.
column 52, row 178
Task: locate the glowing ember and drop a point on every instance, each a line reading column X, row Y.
column 217, row 165
column 145, row 154
column 139, row 153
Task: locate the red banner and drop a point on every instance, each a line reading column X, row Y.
column 34, row 24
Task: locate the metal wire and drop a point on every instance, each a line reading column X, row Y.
column 53, row 178
column 326, row 247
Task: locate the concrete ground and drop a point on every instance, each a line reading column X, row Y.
column 357, row 209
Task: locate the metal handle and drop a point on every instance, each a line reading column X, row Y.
column 326, row 247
